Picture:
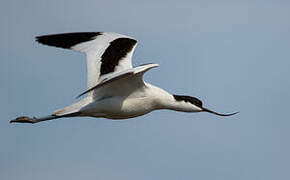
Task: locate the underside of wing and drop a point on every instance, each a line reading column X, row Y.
column 107, row 53
column 133, row 78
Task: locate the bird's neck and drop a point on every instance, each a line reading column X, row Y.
column 165, row 100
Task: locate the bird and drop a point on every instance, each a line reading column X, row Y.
column 115, row 89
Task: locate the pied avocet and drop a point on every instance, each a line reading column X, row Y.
column 116, row 90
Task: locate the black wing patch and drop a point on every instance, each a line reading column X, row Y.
column 192, row 100
column 67, row 40
column 117, row 50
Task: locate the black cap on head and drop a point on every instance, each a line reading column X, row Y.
column 198, row 103
column 192, row 100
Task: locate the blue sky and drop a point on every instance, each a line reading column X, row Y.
column 233, row 55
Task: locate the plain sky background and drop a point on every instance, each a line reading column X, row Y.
column 233, row 55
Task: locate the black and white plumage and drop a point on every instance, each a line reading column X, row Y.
column 116, row 90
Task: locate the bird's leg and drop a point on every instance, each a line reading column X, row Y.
column 25, row 119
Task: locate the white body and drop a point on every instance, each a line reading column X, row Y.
column 142, row 100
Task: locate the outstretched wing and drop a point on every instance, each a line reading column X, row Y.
column 107, row 53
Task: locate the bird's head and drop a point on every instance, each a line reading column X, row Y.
column 193, row 104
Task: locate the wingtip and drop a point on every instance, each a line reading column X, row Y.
column 41, row 40
column 80, row 95
column 66, row 40
column 37, row 39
